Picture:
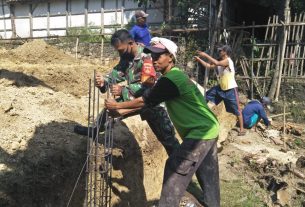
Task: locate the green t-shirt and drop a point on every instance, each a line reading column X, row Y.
column 186, row 105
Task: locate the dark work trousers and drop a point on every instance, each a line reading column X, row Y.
column 193, row 156
column 159, row 122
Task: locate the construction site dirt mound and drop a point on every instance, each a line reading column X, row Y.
column 38, row 51
column 37, row 63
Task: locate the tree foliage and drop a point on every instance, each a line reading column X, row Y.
column 297, row 6
column 188, row 13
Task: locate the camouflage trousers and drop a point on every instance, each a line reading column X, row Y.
column 161, row 125
column 159, row 122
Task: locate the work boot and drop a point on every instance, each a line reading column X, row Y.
column 79, row 129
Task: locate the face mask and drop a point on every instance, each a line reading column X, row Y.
column 127, row 55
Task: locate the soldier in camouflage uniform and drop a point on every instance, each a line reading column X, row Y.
column 129, row 69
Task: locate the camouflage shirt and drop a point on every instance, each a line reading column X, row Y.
column 129, row 71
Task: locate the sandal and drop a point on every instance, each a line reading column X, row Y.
column 243, row 133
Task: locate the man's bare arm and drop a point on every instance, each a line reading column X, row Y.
column 205, row 64
column 223, row 63
column 133, row 104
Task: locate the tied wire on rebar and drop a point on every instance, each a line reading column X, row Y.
column 90, row 141
column 99, row 165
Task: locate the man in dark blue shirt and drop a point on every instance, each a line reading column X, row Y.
column 254, row 111
column 140, row 32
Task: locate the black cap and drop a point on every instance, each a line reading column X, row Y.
column 152, row 49
column 225, row 48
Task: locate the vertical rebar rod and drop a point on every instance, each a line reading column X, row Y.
column 88, row 144
column 96, row 156
column 110, row 170
column 94, row 137
column 92, row 196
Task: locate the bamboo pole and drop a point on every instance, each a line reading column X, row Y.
column 102, row 28
column 302, row 63
column 291, row 53
column 252, row 63
column 294, row 69
column 278, row 73
column 255, row 83
column 86, row 13
column 244, row 69
column 263, row 49
column 67, row 16
column 298, row 63
column 116, row 13
column 278, row 115
column 31, row 19
column 13, row 17
column 48, row 18
column 212, row 44
column 4, row 22
column 269, row 53
column 122, row 14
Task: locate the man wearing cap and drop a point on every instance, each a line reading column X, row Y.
column 140, row 32
column 194, row 121
column 254, row 111
column 227, row 89
column 131, row 68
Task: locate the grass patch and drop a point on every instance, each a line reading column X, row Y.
column 237, row 193
column 234, row 193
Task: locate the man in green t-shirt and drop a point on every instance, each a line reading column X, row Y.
column 194, row 121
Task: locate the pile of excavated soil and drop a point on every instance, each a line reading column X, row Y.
column 37, row 63
column 39, row 52
column 40, row 156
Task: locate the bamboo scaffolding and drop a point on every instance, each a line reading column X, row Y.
column 302, row 63
column 291, row 49
column 263, row 49
column 270, row 50
column 298, row 45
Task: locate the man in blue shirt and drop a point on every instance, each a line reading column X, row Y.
column 254, row 111
column 140, row 32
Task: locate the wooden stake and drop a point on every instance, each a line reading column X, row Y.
column 76, row 47
column 277, row 115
